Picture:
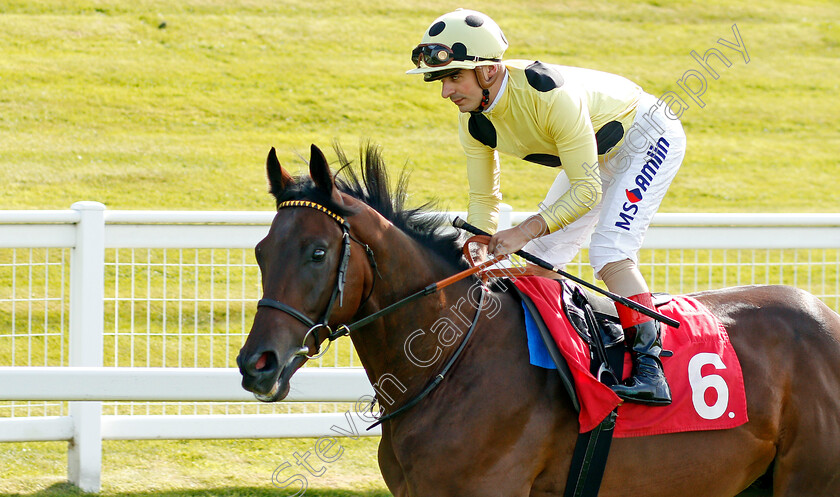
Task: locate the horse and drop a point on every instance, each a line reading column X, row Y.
column 343, row 247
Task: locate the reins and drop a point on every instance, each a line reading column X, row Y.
column 338, row 290
column 438, row 377
column 434, row 287
column 345, row 329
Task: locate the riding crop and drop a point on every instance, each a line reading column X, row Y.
column 460, row 223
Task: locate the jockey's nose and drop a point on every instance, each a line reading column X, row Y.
column 446, row 90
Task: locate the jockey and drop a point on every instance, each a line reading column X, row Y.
column 617, row 149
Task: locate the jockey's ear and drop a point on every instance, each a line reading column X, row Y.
column 320, row 173
column 488, row 75
column 278, row 178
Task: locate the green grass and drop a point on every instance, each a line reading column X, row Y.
column 98, row 101
column 183, row 468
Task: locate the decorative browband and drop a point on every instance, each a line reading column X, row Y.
column 307, row 203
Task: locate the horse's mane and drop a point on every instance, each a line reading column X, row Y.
column 371, row 185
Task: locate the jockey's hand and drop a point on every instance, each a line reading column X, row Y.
column 513, row 239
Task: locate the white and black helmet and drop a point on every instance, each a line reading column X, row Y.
column 463, row 39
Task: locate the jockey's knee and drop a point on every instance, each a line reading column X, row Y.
column 623, row 278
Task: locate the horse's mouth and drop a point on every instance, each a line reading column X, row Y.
column 281, row 386
column 274, row 394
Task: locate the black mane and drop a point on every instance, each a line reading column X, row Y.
column 371, row 185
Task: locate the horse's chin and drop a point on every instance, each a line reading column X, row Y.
column 276, row 393
column 282, row 385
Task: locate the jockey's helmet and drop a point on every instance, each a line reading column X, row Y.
column 463, row 39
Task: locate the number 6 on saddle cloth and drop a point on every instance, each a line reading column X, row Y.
column 594, row 319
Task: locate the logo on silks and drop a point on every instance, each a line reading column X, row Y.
column 656, row 154
column 634, row 195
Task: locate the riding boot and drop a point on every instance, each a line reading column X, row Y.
column 647, row 384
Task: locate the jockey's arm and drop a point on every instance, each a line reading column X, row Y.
column 566, row 120
column 484, row 176
column 568, row 123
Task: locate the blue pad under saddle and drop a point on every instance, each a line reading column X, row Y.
column 539, row 355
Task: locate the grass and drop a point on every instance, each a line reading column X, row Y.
column 100, row 100
column 183, row 468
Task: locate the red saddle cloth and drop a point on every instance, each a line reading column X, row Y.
column 707, row 386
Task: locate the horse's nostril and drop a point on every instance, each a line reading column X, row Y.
column 266, row 362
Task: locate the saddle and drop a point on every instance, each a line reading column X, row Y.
column 589, row 336
column 592, row 316
column 600, row 332
column 595, row 320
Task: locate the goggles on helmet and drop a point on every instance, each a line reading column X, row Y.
column 437, row 55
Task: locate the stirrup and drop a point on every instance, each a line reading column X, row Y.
column 635, row 390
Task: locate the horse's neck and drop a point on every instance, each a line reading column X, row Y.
column 403, row 264
column 402, row 351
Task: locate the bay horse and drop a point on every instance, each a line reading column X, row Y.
column 341, row 248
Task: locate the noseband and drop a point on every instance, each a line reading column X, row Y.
column 338, row 289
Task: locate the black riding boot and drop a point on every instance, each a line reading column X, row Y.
column 647, row 385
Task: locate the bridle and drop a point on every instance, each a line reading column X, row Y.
column 345, row 329
column 338, row 289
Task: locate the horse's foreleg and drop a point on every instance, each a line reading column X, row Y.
column 391, row 470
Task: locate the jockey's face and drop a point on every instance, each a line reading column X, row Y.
column 462, row 89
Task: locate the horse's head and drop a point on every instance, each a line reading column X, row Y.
column 310, row 277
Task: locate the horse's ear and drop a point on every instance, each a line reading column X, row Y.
column 320, row 173
column 278, row 178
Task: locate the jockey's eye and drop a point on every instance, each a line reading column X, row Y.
column 319, row 254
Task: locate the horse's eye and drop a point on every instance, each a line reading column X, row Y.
column 318, row 254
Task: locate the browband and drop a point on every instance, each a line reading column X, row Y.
column 307, row 203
